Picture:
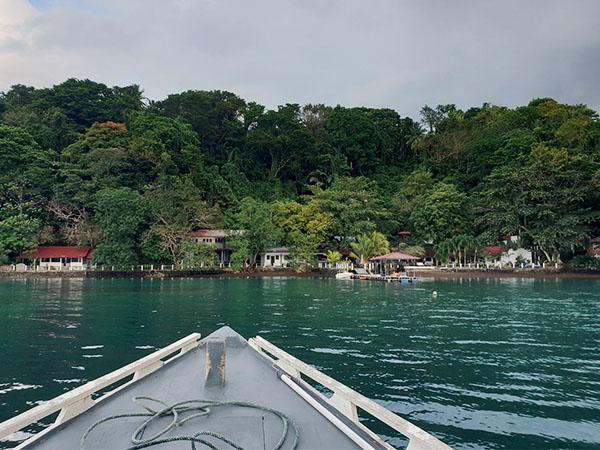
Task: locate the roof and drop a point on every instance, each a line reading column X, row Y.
column 493, row 250
column 58, row 252
column 209, row 233
column 405, row 233
column 596, row 240
column 395, row 256
column 277, row 250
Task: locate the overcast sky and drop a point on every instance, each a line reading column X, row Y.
column 378, row 53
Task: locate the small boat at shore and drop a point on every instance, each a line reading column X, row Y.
column 344, row 275
column 219, row 392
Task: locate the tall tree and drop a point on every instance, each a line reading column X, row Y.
column 214, row 116
column 120, row 214
column 440, row 213
column 25, row 172
column 353, row 204
column 256, row 231
column 546, row 202
column 176, row 207
column 17, row 235
column 304, row 228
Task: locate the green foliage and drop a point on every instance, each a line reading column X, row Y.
column 413, row 250
column 353, row 204
column 548, row 201
column 369, row 245
column 176, row 207
column 333, row 257
column 25, row 171
column 120, row 214
column 255, row 220
column 311, row 177
column 197, row 254
column 443, row 250
column 214, row 116
column 303, row 254
column 17, row 235
column 240, row 259
column 440, row 213
column 170, row 144
column 304, row 228
column 585, row 262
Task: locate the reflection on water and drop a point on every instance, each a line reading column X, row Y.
column 505, row 363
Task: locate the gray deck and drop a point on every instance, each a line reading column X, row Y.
column 249, row 377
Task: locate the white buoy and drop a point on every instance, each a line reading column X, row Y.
column 434, row 294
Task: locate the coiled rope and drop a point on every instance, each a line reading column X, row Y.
column 177, row 411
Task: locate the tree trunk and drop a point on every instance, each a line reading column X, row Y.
column 547, row 255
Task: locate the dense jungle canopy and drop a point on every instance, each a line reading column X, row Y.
column 82, row 163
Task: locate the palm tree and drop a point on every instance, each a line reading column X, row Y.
column 460, row 243
column 333, row 257
column 473, row 246
column 442, row 250
column 369, row 245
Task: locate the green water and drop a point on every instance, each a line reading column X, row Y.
column 488, row 364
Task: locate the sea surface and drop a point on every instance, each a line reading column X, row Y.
column 488, row 364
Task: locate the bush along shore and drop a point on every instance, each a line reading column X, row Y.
column 159, row 273
column 430, row 272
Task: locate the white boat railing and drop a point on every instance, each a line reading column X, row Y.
column 347, row 400
column 73, row 403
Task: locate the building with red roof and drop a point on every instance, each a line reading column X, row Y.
column 59, row 257
column 493, row 250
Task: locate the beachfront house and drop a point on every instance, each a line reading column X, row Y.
column 275, row 257
column 499, row 256
column 218, row 238
column 58, row 258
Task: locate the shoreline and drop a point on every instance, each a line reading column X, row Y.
column 163, row 274
column 220, row 273
column 490, row 274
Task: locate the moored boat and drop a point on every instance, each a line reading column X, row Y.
column 344, row 275
column 218, row 392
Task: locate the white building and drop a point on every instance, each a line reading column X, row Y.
column 500, row 256
column 59, row 257
column 275, row 257
column 514, row 257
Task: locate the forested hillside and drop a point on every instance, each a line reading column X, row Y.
column 86, row 164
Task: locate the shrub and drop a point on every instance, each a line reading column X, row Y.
column 585, row 262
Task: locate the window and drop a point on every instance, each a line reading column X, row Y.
column 276, row 256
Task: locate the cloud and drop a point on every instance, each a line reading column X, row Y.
column 381, row 53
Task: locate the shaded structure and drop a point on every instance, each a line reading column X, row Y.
column 391, row 262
